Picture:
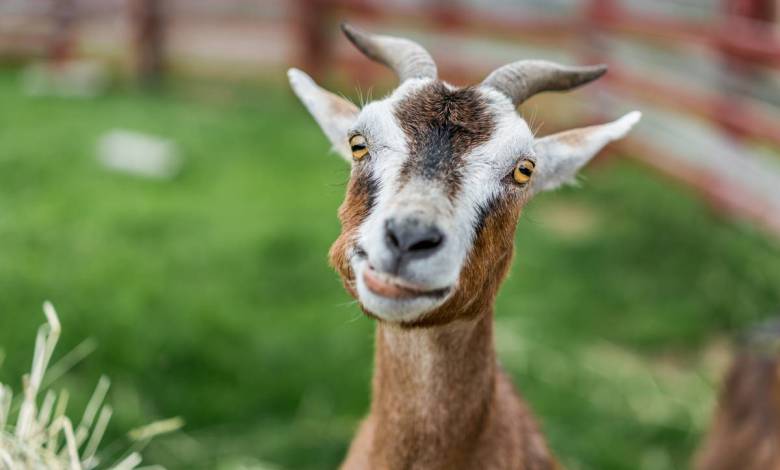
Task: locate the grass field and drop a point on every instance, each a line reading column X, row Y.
column 210, row 298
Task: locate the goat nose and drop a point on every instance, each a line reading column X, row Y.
column 411, row 238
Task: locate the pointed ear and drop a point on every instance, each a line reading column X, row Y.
column 560, row 156
column 334, row 114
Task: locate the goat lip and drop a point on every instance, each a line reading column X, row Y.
column 395, row 288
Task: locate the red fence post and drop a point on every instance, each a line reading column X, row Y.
column 313, row 40
column 148, row 24
column 601, row 12
column 62, row 41
column 746, row 20
column 760, row 10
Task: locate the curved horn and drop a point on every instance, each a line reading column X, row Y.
column 523, row 79
column 407, row 58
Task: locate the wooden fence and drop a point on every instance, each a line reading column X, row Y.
column 706, row 78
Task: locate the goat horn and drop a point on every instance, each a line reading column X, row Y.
column 407, row 58
column 523, row 79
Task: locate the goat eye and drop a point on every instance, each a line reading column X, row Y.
column 523, row 171
column 359, row 146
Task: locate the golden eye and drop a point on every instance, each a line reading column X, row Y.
column 523, row 171
column 359, row 146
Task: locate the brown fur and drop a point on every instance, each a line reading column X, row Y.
column 441, row 126
column 353, row 211
column 440, row 401
column 745, row 433
column 486, row 267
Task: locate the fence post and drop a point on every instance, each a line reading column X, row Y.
column 746, row 20
column 313, row 40
column 147, row 18
column 62, row 42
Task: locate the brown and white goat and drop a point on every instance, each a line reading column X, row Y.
column 439, row 177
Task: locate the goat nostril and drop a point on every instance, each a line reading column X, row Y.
column 427, row 244
column 411, row 238
column 392, row 240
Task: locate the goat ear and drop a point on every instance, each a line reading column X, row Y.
column 334, row 114
column 560, row 156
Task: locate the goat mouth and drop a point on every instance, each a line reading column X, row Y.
column 392, row 287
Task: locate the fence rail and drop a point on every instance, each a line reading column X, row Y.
column 707, row 77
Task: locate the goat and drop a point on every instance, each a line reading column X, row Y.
column 439, row 177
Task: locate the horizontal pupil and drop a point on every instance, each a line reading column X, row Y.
column 524, row 170
column 357, row 147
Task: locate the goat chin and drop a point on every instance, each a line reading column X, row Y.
column 745, row 429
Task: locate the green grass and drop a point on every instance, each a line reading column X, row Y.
column 210, row 296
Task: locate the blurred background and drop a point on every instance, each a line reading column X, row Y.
column 163, row 187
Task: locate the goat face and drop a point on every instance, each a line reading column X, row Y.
column 439, row 176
